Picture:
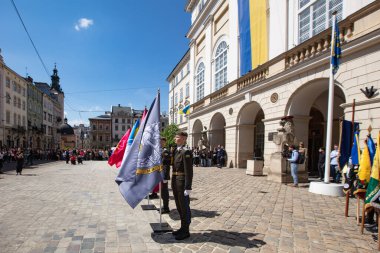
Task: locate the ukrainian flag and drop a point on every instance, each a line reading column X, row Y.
column 185, row 110
column 253, row 34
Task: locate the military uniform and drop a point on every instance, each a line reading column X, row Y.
column 182, row 178
column 166, row 161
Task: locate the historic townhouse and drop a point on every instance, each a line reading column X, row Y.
column 35, row 116
column 100, row 131
column 179, row 91
column 248, row 74
column 13, row 100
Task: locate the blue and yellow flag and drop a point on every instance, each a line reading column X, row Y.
column 336, row 49
column 185, row 110
column 371, row 148
column 141, row 169
column 253, row 34
column 355, row 151
column 374, row 182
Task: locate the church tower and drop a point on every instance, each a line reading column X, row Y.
column 57, row 92
column 55, row 80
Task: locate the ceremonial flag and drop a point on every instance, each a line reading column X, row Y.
column 336, row 51
column 141, row 169
column 118, row 153
column 371, row 148
column 345, row 141
column 364, row 173
column 355, row 151
column 185, row 110
column 373, row 186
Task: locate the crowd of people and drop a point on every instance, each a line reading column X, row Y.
column 26, row 157
column 207, row 158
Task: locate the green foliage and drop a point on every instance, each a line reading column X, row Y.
column 169, row 133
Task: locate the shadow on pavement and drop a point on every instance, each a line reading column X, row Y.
column 194, row 213
column 223, row 237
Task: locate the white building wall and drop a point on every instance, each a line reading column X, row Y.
column 277, row 28
column 233, row 46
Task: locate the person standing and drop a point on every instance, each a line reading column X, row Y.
column 1, row 161
column 321, row 163
column 166, row 161
column 182, row 178
column 294, row 164
column 334, row 168
column 19, row 161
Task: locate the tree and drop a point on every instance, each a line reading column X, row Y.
column 169, row 133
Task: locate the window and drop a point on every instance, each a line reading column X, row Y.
column 122, row 128
column 8, row 117
column 175, row 117
column 171, row 102
column 94, row 127
column 176, row 80
column 23, row 121
column 200, row 81
column 19, row 120
column 107, row 138
column 8, row 98
column 180, row 119
column 129, row 121
column 181, row 74
column 106, row 127
column 176, row 98
column 116, row 128
column 116, row 120
column 44, row 115
column 23, row 105
column 315, row 16
column 188, row 68
column 23, row 92
column 94, row 138
column 221, row 65
column 123, row 121
column 8, row 82
column 101, row 138
column 14, row 86
column 187, row 90
column 19, row 103
column 116, row 136
column 181, row 95
column 100, row 127
column 14, row 101
column 14, row 119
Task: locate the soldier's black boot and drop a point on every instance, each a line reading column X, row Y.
column 177, row 232
column 183, row 234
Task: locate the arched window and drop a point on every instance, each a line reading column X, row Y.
column 200, row 78
column 221, row 65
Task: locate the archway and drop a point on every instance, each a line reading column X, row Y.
column 308, row 105
column 251, row 133
column 197, row 132
column 217, row 132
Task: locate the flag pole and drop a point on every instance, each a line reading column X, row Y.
column 330, row 106
column 160, row 205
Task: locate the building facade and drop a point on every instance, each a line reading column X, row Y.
column 179, row 91
column 82, row 136
column 13, row 101
column 35, row 116
column 100, row 131
column 240, row 107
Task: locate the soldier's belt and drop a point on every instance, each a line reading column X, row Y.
column 178, row 173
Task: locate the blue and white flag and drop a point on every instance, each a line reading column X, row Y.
column 141, row 169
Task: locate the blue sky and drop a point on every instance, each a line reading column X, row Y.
column 125, row 46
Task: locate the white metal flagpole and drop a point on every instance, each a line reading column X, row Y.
column 330, row 106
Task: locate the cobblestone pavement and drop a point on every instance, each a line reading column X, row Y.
column 64, row 208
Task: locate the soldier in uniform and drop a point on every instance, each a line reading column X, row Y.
column 182, row 178
column 166, row 161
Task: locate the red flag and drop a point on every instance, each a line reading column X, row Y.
column 144, row 114
column 118, row 153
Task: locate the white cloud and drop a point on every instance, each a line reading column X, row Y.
column 83, row 23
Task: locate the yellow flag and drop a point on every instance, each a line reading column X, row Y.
column 365, row 165
column 373, row 186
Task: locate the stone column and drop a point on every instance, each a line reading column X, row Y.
column 230, row 148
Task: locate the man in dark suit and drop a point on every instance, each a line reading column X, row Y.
column 182, row 178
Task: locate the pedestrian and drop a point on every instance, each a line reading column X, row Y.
column 1, row 161
column 334, row 168
column 214, row 157
column 166, row 161
column 221, row 157
column 182, row 178
column 294, row 164
column 321, row 163
column 196, row 157
column 19, row 161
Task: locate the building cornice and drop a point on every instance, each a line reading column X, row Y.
column 184, row 60
column 203, row 17
column 190, row 5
